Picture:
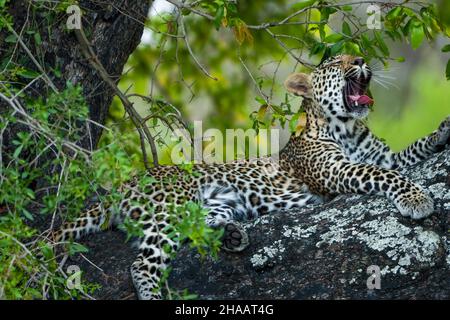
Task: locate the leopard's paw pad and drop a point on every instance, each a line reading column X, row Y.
column 235, row 239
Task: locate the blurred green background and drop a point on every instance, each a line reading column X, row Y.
column 418, row 103
column 252, row 66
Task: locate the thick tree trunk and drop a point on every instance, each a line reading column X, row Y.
column 114, row 29
column 322, row 252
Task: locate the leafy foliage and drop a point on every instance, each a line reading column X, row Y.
column 190, row 225
column 249, row 43
column 29, row 268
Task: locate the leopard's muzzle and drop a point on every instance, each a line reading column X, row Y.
column 357, row 79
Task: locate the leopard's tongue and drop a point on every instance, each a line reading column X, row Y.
column 361, row 99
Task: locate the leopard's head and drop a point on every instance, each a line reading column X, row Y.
column 338, row 86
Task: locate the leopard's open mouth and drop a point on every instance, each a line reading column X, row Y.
column 356, row 97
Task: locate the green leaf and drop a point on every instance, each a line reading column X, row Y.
column 381, row 44
column 336, row 48
column 17, row 151
column 366, row 45
column 231, row 7
column 303, row 4
column 347, row 8
column 346, row 29
column 406, row 29
column 331, row 10
column 417, row 35
column 76, row 247
column 29, row 74
column 409, row 12
column 365, row 40
column 260, row 100
column 47, row 252
column 400, row 59
column 352, row 48
column 11, row 38
column 333, row 38
column 394, row 13
column 394, row 35
column 27, row 214
column 317, row 48
column 185, row 12
column 446, row 48
column 322, row 32
column 277, row 109
column 191, row 296
column 293, row 122
column 219, row 16
column 37, row 38
column 29, row 193
column 324, row 14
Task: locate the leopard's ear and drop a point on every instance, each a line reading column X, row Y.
column 299, row 84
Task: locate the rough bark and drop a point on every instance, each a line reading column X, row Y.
column 114, row 29
column 320, row 252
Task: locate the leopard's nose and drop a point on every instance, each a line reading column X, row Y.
column 359, row 62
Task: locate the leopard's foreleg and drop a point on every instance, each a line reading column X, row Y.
column 410, row 199
column 425, row 147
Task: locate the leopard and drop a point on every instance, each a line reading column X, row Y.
column 335, row 154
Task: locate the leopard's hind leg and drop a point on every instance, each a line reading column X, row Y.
column 152, row 260
column 156, row 246
column 155, row 250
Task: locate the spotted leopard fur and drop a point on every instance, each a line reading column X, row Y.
column 335, row 154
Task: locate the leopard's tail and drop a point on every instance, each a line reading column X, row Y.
column 94, row 219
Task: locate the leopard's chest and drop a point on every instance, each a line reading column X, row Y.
column 351, row 146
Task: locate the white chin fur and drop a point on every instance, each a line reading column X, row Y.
column 360, row 113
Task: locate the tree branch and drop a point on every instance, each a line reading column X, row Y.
column 137, row 120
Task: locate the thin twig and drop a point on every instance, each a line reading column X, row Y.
column 188, row 46
column 263, row 95
column 134, row 115
column 301, row 61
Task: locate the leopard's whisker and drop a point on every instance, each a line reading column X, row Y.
column 385, row 83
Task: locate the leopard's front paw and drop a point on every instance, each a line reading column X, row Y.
column 443, row 132
column 415, row 204
column 235, row 239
